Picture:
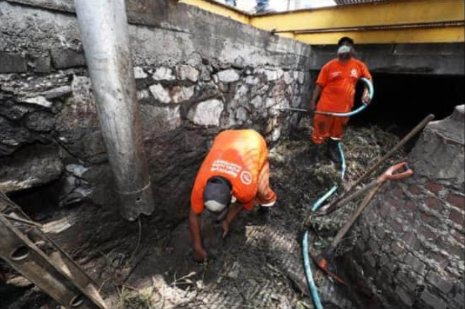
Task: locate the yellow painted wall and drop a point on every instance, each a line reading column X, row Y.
column 220, row 10
column 393, row 13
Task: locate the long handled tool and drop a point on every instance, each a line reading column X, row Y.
column 396, row 172
column 322, row 260
column 401, row 143
column 390, row 174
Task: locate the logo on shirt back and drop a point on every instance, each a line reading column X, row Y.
column 246, row 178
column 336, row 74
column 354, row 73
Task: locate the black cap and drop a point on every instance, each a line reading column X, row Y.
column 217, row 194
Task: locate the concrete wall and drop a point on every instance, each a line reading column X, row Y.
column 429, row 59
column 197, row 73
column 411, row 253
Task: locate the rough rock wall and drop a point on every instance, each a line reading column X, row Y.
column 196, row 73
column 411, row 253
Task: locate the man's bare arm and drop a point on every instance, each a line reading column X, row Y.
column 196, row 235
column 316, row 96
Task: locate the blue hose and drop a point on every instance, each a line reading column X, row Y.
column 333, row 190
column 308, row 273
column 371, row 91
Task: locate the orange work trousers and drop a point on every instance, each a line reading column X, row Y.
column 325, row 127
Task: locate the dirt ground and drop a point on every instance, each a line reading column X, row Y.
column 259, row 264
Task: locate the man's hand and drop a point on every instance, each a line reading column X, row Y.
column 366, row 98
column 311, row 108
column 225, row 228
column 200, row 255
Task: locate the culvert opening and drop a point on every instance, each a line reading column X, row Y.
column 402, row 101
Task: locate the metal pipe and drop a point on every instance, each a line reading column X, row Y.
column 104, row 33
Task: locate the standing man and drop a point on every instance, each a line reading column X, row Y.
column 334, row 92
column 232, row 177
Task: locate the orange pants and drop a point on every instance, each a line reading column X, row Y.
column 265, row 195
column 325, row 127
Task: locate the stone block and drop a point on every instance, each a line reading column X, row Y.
column 443, row 284
column 434, row 203
column 12, row 111
column 163, row 74
column 12, row 63
column 456, row 200
column 207, row 113
column 42, row 64
column 12, row 136
column 432, row 300
column 228, row 76
column 416, row 265
column 39, row 100
column 156, row 120
column 457, row 217
column 434, row 187
column 180, row 94
column 404, row 296
column 67, row 58
column 187, row 72
column 40, row 122
column 160, row 93
column 139, row 73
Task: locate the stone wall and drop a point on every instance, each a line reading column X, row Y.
column 411, row 253
column 196, row 73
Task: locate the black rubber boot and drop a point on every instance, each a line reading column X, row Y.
column 316, row 153
column 333, row 151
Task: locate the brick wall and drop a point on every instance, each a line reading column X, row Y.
column 411, row 253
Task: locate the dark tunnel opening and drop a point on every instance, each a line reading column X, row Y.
column 402, row 101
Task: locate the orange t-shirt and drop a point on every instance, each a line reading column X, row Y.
column 338, row 81
column 237, row 155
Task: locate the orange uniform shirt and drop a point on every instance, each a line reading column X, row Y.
column 338, row 81
column 237, row 155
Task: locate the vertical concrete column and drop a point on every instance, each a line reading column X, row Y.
column 104, row 32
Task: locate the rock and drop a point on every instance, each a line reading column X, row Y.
column 40, row 122
column 12, row 136
column 228, row 76
column 160, row 93
column 143, row 95
column 58, row 92
column 257, row 102
column 30, row 167
column 241, row 114
column 139, row 73
column 39, row 100
column 251, row 80
column 93, row 144
column 273, row 75
column 67, row 58
column 156, row 120
column 301, row 77
column 194, row 60
column 180, row 94
column 205, row 74
column 12, row 63
column 42, row 64
column 79, row 110
column 239, row 63
column 288, row 79
column 207, row 113
column 163, row 74
column 187, row 72
column 12, row 111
